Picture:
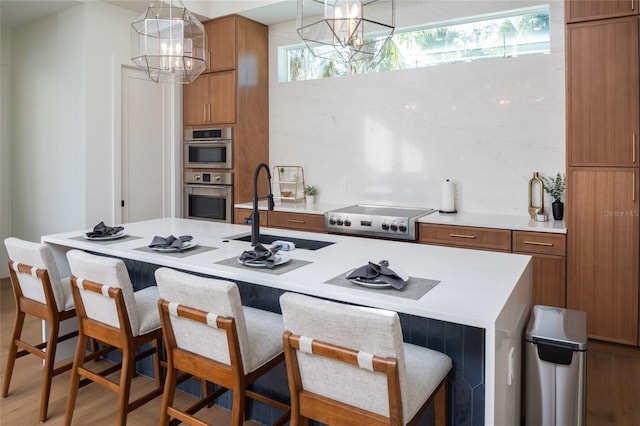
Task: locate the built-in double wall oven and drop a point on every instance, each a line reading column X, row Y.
column 207, row 174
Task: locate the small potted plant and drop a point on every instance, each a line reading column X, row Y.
column 555, row 188
column 310, row 193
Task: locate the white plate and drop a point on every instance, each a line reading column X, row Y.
column 106, row 237
column 280, row 259
column 185, row 246
column 370, row 283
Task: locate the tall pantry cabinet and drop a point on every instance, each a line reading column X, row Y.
column 603, row 127
column 234, row 92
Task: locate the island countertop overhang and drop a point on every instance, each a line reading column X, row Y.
column 474, row 285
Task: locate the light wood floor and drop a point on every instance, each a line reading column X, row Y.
column 613, row 386
column 95, row 404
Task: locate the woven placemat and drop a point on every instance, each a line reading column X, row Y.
column 414, row 289
column 179, row 254
column 276, row 270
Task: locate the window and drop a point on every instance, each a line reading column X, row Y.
column 508, row 34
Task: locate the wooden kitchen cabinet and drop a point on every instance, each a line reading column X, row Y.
column 221, row 44
column 603, row 250
column 603, row 116
column 241, row 215
column 584, row 10
column 465, row 236
column 298, row 221
column 549, row 265
column 210, row 99
column 234, row 92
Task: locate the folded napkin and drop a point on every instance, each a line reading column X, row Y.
column 170, row 241
column 260, row 254
column 379, row 271
column 102, row 230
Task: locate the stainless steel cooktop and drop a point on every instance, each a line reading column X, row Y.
column 375, row 220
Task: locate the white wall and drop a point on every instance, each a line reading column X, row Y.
column 66, row 71
column 394, row 136
column 5, row 134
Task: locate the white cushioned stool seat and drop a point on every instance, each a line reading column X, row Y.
column 111, row 312
column 210, row 335
column 40, row 293
column 406, row 376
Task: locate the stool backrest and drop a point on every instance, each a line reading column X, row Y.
column 218, row 298
column 39, row 256
column 110, row 272
column 366, row 330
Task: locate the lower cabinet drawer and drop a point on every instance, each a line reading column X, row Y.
column 241, row 215
column 299, row 221
column 465, row 236
column 539, row 242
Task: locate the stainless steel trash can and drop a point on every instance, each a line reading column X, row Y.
column 555, row 359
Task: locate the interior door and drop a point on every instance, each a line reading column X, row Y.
column 144, row 105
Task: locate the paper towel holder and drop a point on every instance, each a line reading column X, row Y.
column 447, row 200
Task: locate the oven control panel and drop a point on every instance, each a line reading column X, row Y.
column 208, row 178
column 390, row 227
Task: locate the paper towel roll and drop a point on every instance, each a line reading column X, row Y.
column 447, row 200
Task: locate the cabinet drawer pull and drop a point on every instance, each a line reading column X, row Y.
column 295, row 221
column 633, row 7
column 204, row 112
column 471, row 237
column 538, row 243
column 633, row 188
column 633, row 150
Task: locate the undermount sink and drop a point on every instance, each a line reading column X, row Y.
column 300, row 243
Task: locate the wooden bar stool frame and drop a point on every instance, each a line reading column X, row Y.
column 121, row 339
column 44, row 311
column 307, row 405
column 229, row 377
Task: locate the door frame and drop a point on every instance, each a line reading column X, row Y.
column 172, row 140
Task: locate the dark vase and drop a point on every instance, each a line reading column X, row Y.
column 558, row 210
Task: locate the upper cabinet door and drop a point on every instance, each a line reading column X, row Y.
column 602, row 93
column 586, row 10
column 221, row 37
column 195, row 104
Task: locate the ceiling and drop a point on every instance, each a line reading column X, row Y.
column 14, row 13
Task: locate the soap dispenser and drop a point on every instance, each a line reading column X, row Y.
column 536, row 186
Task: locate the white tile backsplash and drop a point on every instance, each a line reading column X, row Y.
column 392, row 137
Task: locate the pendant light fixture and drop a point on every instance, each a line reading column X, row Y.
column 347, row 30
column 168, row 43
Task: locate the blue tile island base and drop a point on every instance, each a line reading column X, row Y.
column 464, row 344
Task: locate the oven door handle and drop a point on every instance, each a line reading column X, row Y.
column 221, row 190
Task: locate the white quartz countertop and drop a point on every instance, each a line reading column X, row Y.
column 299, row 207
column 482, row 220
column 517, row 223
column 474, row 285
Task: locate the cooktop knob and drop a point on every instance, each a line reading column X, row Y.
column 340, row 221
column 332, row 220
column 394, row 226
column 385, row 226
column 347, row 222
column 402, row 227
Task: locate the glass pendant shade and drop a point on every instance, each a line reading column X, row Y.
column 168, row 43
column 347, row 30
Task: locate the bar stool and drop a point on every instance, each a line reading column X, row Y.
column 347, row 365
column 210, row 335
column 111, row 312
column 41, row 293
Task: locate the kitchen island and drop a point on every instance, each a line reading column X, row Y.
column 474, row 305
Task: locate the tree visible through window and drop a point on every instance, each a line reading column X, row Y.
column 507, row 35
